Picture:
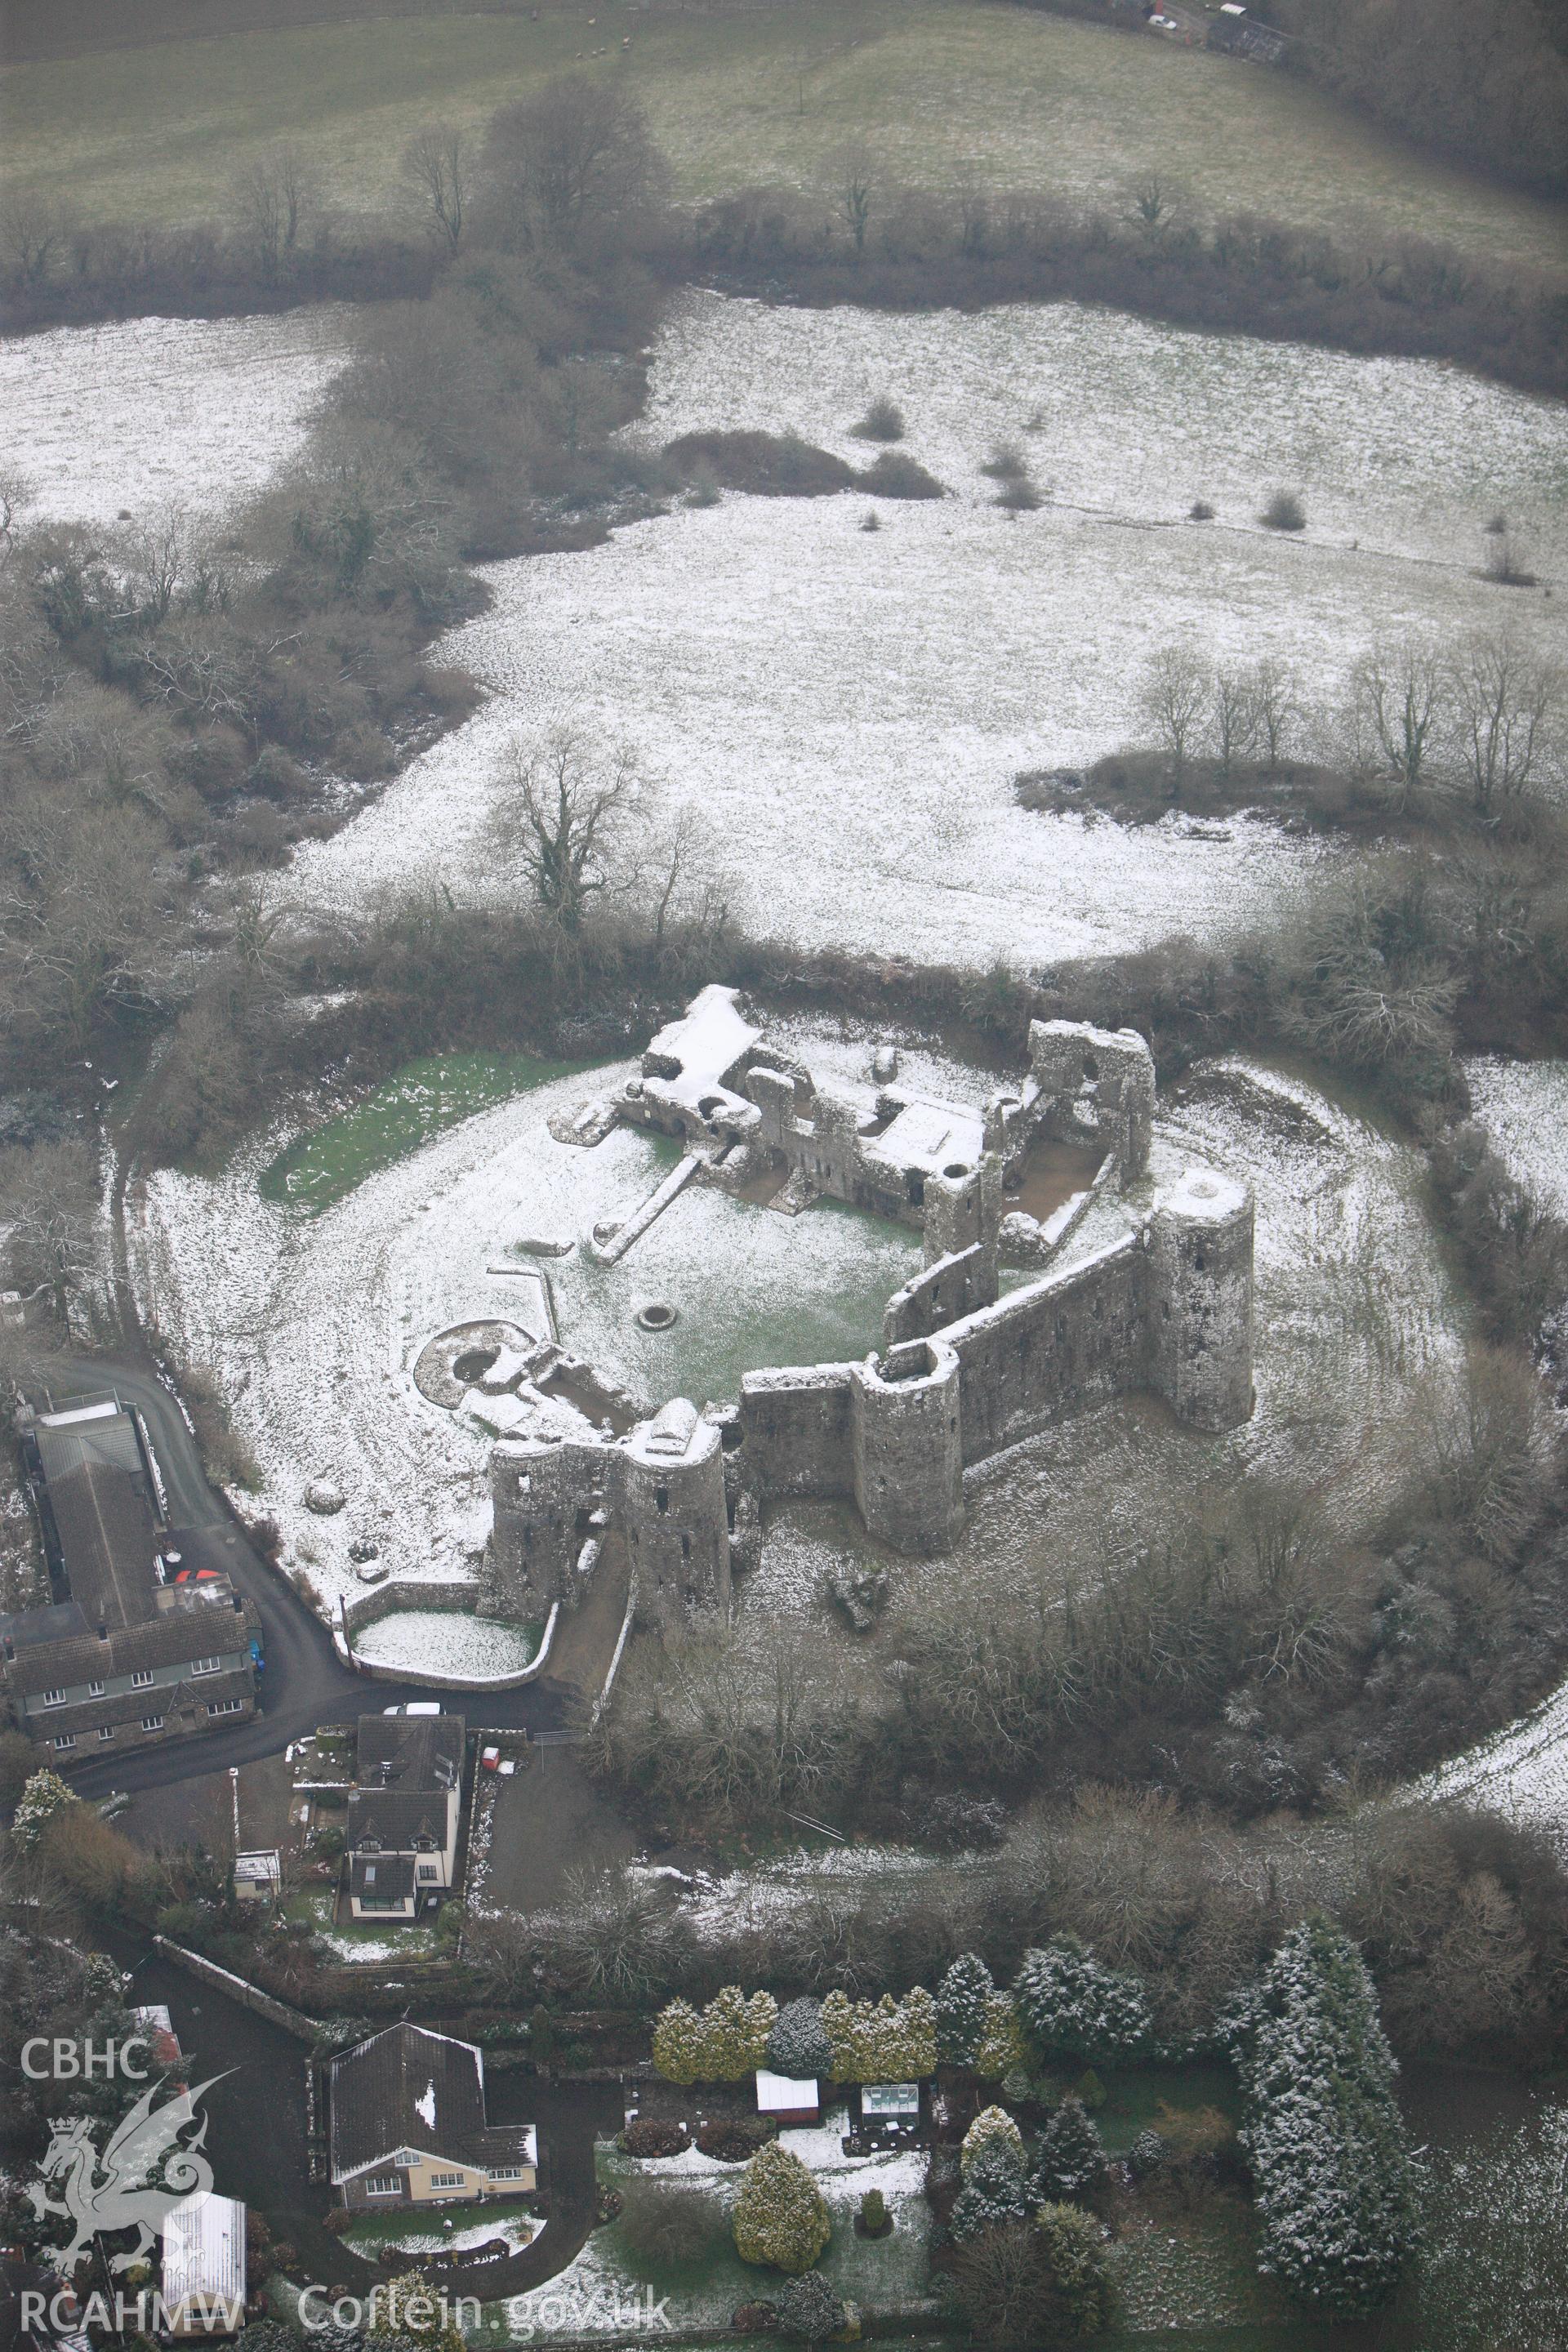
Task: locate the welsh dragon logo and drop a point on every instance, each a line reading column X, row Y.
column 144, row 2172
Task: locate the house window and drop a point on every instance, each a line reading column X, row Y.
column 95, row 1690
column 106, row 1731
column 225, row 1706
column 506, row 2172
column 53, row 1699
column 384, row 2185
column 141, row 1681
column 152, row 1723
column 429, row 1870
column 64, row 1740
column 446, row 2180
column 206, row 1666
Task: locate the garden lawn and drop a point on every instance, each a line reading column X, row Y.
column 742, row 94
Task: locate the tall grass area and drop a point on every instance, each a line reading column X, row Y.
column 936, row 87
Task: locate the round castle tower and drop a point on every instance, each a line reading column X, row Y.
column 1200, row 1290
column 909, row 1446
column 676, row 1516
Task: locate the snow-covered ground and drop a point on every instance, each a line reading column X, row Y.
column 478, row 1646
column 843, row 711
column 130, row 418
column 1525, row 1106
column 311, row 1325
column 1520, row 1771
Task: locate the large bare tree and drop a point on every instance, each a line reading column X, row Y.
column 436, row 174
column 560, row 816
column 1508, row 720
column 1397, row 695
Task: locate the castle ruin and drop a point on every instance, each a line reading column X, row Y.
column 1142, row 1280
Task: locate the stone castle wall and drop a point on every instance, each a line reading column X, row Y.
column 1165, row 1304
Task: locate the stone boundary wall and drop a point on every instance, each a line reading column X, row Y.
column 458, row 1599
column 249, row 1996
column 941, row 1294
column 403, row 1592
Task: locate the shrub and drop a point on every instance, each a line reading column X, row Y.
column 996, row 2191
column 725, row 2042
column 1081, row 2293
column 733, row 2139
column 43, row 1796
column 993, row 2129
column 1002, row 2044
column 883, row 421
column 1071, row 2154
column 883, row 2041
column 780, row 2216
column 1284, row 512
column 961, row 2010
column 667, row 2224
column 647, row 2135
column 809, row 2309
column 702, row 489
column 540, row 2035
column 873, row 2213
column 1019, row 497
column 873, row 520
column 1006, row 463
column 895, row 476
column 1200, row 511
column 1071, row 2003
column 797, row 2046
column 1335, row 2185
column 769, row 465
column 1146, row 2154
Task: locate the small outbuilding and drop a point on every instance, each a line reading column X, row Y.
column 787, row 2098
column 891, row 2107
column 203, row 2266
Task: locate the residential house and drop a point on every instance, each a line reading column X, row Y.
column 408, row 2126
column 401, row 1836
column 134, row 1646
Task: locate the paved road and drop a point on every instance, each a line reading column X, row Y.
column 305, row 1682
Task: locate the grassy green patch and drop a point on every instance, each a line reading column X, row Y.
column 323, row 1167
column 933, row 86
column 316, row 1906
column 1133, row 2100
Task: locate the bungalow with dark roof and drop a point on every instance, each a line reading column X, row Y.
column 407, row 2126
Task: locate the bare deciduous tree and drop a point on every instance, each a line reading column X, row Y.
column 36, row 229
column 572, row 159
column 272, row 199
column 1397, row 705
column 561, row 815
column 49, row 1193
column 1276, row 711
column 854, row 179
column 436, row 179
column 1235, row 715
column 1175, row 696
column 1508, row 714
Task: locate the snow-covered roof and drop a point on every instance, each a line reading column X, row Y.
column 784, row 2093
column 203, row 2249
column 931, row 1135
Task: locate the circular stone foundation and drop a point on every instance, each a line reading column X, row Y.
column 447, row 1366
column 656, row 1315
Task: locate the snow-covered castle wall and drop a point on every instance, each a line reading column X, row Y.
column 1163, row 1301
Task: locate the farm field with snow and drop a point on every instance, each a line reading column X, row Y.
column 311, row 1325
column 146, row 414
column 842, row 712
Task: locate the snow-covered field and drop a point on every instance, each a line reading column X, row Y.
column 1520, row 1771
column 311, row 1324
column 130, row 418
column 843, row 711
column 1525, row 1106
